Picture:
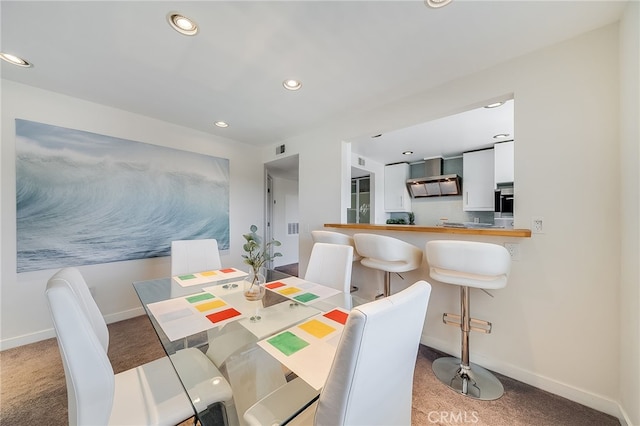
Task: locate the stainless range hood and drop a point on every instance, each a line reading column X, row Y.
column 434, row 184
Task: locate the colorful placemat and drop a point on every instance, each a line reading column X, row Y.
column 302, row 291
column 223, row 315
column 199, row 297
column 183, row 316
column 337, row 316
column 274, row 285
column 287, row 343
column 317, row 328
column 209, row 306
column 204, row 277
column 308, row 348
column 306, row 297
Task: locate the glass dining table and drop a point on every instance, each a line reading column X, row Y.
column 246, row 358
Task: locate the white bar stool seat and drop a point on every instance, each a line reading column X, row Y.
column 331, row 237
column 387, row 254
column 468, row 264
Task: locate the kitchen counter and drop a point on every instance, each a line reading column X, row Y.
column 497, row 232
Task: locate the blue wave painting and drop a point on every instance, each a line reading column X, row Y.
column 84, row 198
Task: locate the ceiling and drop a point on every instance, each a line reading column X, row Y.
column 446, row 137
column 350, row 56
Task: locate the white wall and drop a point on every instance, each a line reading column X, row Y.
column 630, row 213
column 556, row 325
column 24, row 314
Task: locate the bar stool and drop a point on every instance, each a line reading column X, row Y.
column 387, row 254
column 331, row 237
column 468, row 264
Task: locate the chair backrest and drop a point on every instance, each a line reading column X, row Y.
column 331, row 237
column 188, row 256
column 468, row 263
column 330, row 265
column 371, row 378
column 83, row 339
column 382, row 247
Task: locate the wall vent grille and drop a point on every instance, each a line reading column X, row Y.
column 292, row 228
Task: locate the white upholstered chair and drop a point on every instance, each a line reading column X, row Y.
column 387, row 254
column 150, row 394
column 330, row 237
column 330, row 265
column 468, row 264
column 188, row 256
column 371, row 379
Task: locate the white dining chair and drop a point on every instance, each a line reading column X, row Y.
column 150, row 394
column 371, row 379
column 330, row 237
column 330, row 265
column 188, row 256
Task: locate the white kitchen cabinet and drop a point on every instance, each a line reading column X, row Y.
column 396, row 194
column 478, row 180
column 503, row 155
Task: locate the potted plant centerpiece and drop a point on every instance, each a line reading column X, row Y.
column 256, row 257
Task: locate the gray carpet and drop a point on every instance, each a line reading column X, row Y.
column 32, row 388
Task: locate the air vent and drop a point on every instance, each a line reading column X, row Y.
column 292, row 228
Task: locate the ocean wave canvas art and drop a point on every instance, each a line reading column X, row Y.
column 84, row 198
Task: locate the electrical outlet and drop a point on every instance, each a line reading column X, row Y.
column 513, row 249
column 537, row 225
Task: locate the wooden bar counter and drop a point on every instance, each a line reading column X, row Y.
column 495, row 232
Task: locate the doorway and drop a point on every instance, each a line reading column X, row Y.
column 281, row 211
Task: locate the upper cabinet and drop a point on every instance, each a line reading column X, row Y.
column 396, row 195
column 503, row 155
column 478, row 180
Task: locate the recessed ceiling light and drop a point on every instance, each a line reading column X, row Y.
column 182, row 24
column 221, row 124
column 501, row 135
column 437, row 3
column 494, row 105
column 291, row 84
column 407, row 153
column 12, row 59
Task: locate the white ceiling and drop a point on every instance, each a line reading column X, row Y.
column 349, row 56
column 446, row 137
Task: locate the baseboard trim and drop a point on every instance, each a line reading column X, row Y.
column 572, row 393
column 124, row 315
column 26, row 339
column 49, row 333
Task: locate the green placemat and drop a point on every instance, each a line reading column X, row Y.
column 287, row 343
column 306, row 297
column 200, row 297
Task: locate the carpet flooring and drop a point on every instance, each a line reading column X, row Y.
column 33, row 392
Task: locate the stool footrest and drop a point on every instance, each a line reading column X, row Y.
column 480, row 326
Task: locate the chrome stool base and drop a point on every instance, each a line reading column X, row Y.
column 473, row 381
